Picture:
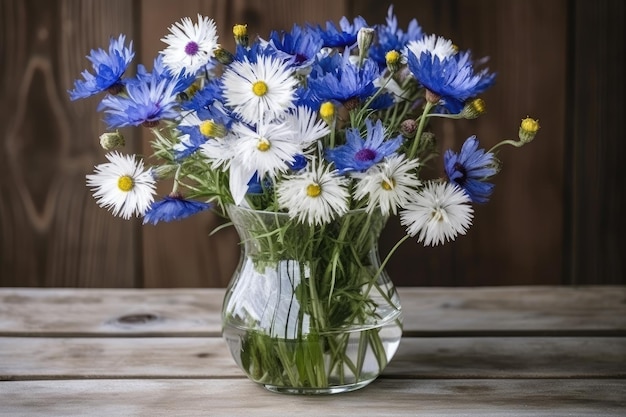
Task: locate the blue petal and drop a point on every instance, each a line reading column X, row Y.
column 452, row 78
column 470, row 169
column 108, row 69
column 173, row 208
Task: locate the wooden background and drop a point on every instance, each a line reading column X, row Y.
column 555, row 216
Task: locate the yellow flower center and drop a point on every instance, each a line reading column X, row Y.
column 208, row 128
column 259, row 88
column 125, row 183
column 313, row 190
column 388, row 185
column 392, row 57
column 263, row 145
column 240, row 31
column 327, row 110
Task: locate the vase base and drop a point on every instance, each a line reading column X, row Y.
column 335, row 389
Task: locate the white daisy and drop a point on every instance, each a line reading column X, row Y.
column 307, row 126
column 438, row 46
column 219, row 151
column 266, row 150
column 438, row 213
column 256, row 90
column 191, row 46
column 316, row 196
column 122, row 185
column 388, row 185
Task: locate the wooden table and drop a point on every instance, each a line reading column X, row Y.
column 505, row 351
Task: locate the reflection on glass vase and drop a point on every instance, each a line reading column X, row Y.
column 310, row 309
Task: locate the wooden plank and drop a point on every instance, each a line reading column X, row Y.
column 239, row 397
column 527, row 45
column 110, row 312
column 89, row 358
column 595, row 199
column 417, row 358
column 573, row 311
column 182, row 254
column 52, row 233
column 501, row 310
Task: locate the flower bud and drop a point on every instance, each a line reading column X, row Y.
column 211, row 129
column 223, row 56
column 392, row 58
column 327, row 112
column 408, row 128
column 240, row 32
column 161, row 172
column 473, row 109
column 428, row 141
column 112, row 140
column 528, row 129
column 364, row 38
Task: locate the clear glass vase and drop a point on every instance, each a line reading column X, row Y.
column 309, row 309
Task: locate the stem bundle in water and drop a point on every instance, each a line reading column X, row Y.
column 310, row 309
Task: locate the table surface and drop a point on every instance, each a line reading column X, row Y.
column 486, row 351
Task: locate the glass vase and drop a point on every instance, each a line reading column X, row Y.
column 310, row 309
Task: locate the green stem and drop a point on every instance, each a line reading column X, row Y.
column 418, row 134
column 382, row 267
column 176, row 179
column 516, row 143
column 371, row 99
column 447, row 116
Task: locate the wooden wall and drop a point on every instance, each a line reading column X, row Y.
column 555, row 216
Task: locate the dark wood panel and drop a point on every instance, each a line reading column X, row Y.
column 517, row 236
column 182, row 254
column 53, row 234
column 596, row 151
column 554, row 217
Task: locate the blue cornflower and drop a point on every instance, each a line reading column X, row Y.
column 306, row 97
column 452, row 78
column 358, row 154
column 391, row 38
column 299, row 46
column 470, row 168
column 147, row 103
column 108, row 67
column 336, row 78
column 257, row 50
column 206, row 97
column 345, row 35
column 159, row 71
column 173, row 207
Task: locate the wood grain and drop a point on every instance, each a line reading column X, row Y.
column 526, row 43
column 596, row 222
column 52, row 233
column 239, row 397
column 71, row 352
column 490, row 311
column 183, row 254
column 555, row 216
column 29, row 358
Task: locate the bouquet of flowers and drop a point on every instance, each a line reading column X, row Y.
column 313, row 124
